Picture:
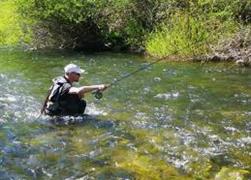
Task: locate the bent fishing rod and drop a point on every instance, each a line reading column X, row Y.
column 98, row 94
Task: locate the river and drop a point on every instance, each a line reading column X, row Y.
column 170, row 121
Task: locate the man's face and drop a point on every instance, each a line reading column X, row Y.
column 74, row 76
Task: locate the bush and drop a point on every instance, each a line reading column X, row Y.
column 162, row 26
column 91, row 24
column 192, row 29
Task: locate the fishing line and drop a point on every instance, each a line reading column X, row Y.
column 98, row 94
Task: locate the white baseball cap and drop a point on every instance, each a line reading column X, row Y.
column 73, row 68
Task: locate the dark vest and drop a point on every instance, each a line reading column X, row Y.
column 60, row 102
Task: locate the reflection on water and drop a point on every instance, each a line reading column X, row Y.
column 182, row 121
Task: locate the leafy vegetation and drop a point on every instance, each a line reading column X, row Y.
column 195, row 26
column 10, row 31
column 161, row 27
column 96, row 24
column 188, row 35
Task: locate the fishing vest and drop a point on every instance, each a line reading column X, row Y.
column 58, row 96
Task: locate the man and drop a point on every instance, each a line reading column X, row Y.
column 63, row 98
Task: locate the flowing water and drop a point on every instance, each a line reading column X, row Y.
column 170, row 121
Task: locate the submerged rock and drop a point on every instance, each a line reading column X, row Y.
column 157, row 79
column 232, row 174
column 166, row 96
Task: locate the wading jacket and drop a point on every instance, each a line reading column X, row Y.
column 58, row 96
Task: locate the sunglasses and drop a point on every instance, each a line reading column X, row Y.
column 77, row 73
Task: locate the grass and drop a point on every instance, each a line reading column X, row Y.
column 11, row 30
column 188, row 36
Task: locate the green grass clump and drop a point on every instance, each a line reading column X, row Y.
column 187, row 35
column 11, row 30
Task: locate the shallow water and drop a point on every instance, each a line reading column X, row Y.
column 170, row 121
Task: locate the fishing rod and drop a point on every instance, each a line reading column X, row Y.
column 98, row 94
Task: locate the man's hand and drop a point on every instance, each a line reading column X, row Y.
column 103, row 87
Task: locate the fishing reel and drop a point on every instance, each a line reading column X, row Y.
column 97, row 94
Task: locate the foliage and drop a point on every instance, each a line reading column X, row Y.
column 11, row 32
column 188, row 35
column 161, row 26
column 232, row 174
column 92, row 24
column 193, row 28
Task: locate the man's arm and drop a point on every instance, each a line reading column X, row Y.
column 85, row 89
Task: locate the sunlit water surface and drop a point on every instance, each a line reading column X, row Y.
column 170, row 121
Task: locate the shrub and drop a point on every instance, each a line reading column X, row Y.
column 167, row 26
column 191, row 30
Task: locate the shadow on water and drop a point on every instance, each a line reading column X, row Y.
column 90, row 120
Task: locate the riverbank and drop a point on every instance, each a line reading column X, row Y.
column 236, row 49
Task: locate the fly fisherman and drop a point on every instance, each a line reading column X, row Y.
column 63, row 98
